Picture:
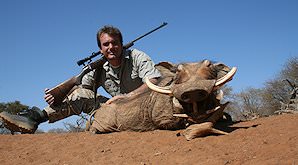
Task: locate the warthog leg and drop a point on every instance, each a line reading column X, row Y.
column 199, row 130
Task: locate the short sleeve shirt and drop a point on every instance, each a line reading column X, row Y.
column 135, row 67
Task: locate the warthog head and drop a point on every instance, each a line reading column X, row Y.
column 194, row 88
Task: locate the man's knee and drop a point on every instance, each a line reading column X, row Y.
column 77, row 101
column 80, row 93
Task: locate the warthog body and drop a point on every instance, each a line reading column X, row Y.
column 191, row 97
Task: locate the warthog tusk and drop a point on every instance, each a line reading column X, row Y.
column 163, row 90
column 225, row 78
column 181, row 115
column 219, row 96
column 212, row 110
column 176, row 103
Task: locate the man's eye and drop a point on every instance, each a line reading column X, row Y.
column 115, row 43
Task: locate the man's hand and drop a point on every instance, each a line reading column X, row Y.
column 48, row 97
column 119, row 97
column 115, row 98
column 143, row 88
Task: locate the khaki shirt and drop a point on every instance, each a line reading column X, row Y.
column 135, row 66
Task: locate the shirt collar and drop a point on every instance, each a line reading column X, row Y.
column 125, row 57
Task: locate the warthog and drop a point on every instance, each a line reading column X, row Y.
column 187, row 96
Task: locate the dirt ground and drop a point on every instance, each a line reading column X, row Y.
column 270, row 140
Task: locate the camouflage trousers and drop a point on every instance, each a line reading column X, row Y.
column 78, row 101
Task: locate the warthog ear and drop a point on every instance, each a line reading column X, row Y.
column 170, row 66
column 221, row 69
column 166, row 69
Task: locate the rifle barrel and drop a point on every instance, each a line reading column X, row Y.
column 94, row 54
column 162, row 25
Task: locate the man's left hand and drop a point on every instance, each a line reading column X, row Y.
column 119, row 97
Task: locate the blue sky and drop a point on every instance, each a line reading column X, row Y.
column 42, row 40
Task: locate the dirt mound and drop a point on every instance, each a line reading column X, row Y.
column 270, row 140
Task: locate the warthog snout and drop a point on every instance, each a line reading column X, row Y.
column 194, row 96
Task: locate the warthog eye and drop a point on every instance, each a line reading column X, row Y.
column 181, row 75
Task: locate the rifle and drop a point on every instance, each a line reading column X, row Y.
column 60, row 91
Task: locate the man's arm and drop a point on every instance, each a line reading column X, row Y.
column 142, row 89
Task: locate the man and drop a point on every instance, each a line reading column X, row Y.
column 122, row 76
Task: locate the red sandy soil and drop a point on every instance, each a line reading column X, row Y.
column 270, row 140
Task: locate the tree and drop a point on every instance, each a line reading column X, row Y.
column 233, row 108
column 274, row 95
column 13, row 107
column 251, row 102
column 57, row 130
column 278, row 91
column 290, row 70
column 79, row 126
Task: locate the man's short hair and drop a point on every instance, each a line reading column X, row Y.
column 111, row 30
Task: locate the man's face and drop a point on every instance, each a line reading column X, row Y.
column 111, row 48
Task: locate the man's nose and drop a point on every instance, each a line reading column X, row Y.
column 111, row 45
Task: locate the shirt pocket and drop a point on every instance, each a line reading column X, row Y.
column 134, row 74
column 111, row 87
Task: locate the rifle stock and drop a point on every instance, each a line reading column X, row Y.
column 61, row 91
